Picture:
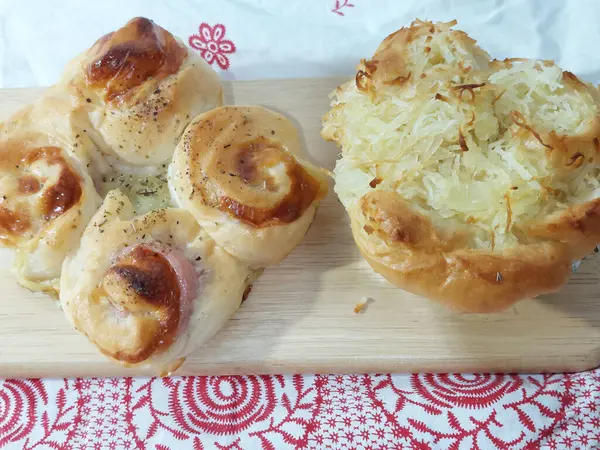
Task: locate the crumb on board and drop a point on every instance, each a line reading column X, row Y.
column 361, row 306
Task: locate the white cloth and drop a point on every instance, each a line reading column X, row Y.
column 296, row 38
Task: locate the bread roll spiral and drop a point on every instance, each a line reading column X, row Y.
column 150, row 289
column 241, row 172
column 140, row 87
column 46, row 199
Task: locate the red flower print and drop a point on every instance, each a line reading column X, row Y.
column 470, row 391
column 221, row 405
column 19, row 402
column 340, row 4
column 211, row 44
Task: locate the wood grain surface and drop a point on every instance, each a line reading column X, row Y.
column 300, row 315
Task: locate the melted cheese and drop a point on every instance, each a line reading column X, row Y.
column 146, row 192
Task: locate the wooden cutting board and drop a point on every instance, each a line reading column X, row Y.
column 300, row 315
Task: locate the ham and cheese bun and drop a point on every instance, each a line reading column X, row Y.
column 148, row 290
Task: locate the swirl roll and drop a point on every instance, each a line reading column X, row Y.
column 47, row 199
column 241, row 172
column 148, row 290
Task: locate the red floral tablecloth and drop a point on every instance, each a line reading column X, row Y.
column 256, row 39
column 297, row 412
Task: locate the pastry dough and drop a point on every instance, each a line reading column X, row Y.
column 140, row 87
column 241, row 172
column 47, row 197
column 150, row 289
column 469, row 181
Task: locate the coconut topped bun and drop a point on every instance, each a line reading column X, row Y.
column 470, row 181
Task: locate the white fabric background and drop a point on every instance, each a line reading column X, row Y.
column 296, row 38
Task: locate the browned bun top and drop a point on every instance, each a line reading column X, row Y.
column 123, row 60
column 40, row 186
column 240, row 163
column 143, row 283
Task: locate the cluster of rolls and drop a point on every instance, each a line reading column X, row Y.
column 470, row 181
column 146, row 206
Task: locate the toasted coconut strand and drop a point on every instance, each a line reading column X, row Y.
column 519, row 120
column 508, row 213
column 462, row 142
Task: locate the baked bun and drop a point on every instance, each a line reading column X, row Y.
column 469, row 181
column 140, row 87
column 150, row 289
column 241, row 172
column 47, row 197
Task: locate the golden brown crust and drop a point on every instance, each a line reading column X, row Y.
column 20, row 216
column 60, row 196
column 403, row 246
column 468, row 284
column 13, row 224
column 123, row 60
column 578, row 227
column 143, row 282
column 138, row 88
